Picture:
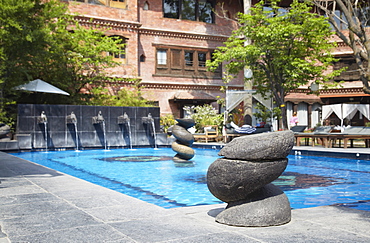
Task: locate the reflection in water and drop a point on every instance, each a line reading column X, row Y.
column 289, row 181
column 151, row 175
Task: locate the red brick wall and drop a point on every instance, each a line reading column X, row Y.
column 140, row 43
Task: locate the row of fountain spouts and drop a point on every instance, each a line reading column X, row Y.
column 99, row 119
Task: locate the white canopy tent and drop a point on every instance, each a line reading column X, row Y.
column 235, row 97
column 345, row 111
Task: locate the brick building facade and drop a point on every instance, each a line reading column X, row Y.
column 167, row 46
column 349, row 91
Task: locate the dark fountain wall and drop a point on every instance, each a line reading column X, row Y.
column 60, row 134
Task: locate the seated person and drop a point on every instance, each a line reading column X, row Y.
column 243, row 129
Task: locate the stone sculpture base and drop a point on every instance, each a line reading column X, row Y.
column 242, row 178
column 268, row 206
column 184, row 141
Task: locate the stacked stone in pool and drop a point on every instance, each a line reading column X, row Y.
column 242, row 178
column 184, row 140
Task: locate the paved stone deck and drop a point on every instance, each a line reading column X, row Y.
column 38, row 204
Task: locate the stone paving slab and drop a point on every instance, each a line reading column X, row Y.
column 45, row 222
column 38, row 204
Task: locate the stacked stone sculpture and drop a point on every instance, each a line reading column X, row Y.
column 184, row 140
column 242, row 178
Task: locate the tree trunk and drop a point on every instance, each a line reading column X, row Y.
column 284, row 117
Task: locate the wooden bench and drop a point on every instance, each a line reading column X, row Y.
column 324, row 138
column 210, row 133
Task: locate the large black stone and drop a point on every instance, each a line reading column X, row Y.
column 186, row 122
column 268, row 206
column 182, row 135
column 183, row 151
column 177, row 159
column 264, row 146
column 232, row 180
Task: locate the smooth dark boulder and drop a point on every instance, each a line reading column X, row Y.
column 182, row 135
column 233, row 180
column 264, row 146
column 268, row 206
column 184, row 139
column 186, row 122
column 178, row 160
column 183, row 151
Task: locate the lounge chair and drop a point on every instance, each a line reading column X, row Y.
column 230, row 132
column 210, row 133
column 356, row 133
column 298, row 128
column 320, row 134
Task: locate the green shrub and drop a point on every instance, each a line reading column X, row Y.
column 167, row 121
column 204, row 116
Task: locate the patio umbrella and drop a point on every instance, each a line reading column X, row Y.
column 40, row 86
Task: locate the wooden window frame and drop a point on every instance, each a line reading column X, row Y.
column 122, row 4
column 176, row 63
column 121, row 59
column 352, row 73
column 179, row 13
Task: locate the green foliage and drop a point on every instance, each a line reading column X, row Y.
column 237, row 115
column 8, row 114
column 286, row 48
column 124, row 97
column 167, row 121
column 40, row 39
column 204, row 116
column 264, row 114
column 354, row 18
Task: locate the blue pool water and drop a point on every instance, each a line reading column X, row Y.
column 151, row 175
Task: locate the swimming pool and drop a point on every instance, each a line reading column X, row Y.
column 151, row 175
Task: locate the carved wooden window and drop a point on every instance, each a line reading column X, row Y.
column 202, row 58
column 196, row 10
column 121, row 55
column 182, row 62
column 189, row 58
column 162, row 63
column 161, row 57
column 109, row 3
column 352, row 73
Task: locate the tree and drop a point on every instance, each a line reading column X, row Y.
column 40, row 39
column 124, row 97
column 289, row 47
column 264, row 114
column 351, row 21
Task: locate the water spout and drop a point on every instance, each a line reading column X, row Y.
column 149, row 120
column 99, row 119
column 124, row 120
column 42, row 119
column 105, row 136
column 72, row 119
column 154, row 135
